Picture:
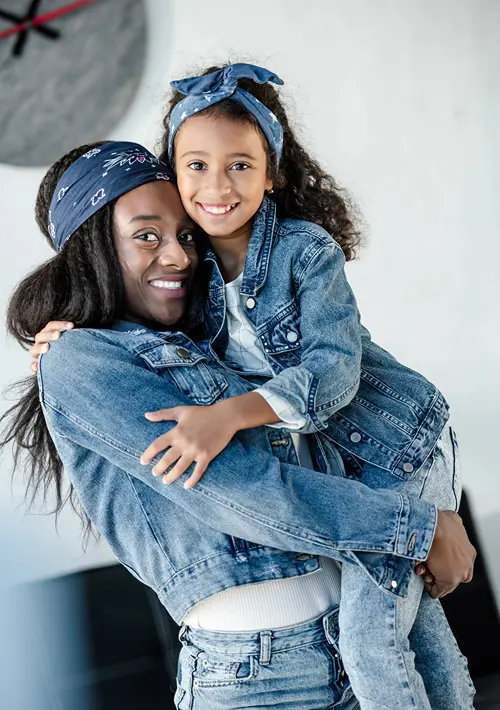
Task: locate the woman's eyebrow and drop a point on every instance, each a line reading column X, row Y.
column 145, row 218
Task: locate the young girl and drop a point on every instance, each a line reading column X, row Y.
column 279, row 309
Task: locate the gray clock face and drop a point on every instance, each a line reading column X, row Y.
column 69, row 81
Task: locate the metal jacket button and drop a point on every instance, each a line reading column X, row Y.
column 292, row 337
column 407, row 467
column 250, row 303
column 182, row 352
column 355, row 437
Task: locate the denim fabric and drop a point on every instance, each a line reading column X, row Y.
column 297, row 667
column 325, row 364
column 255, row 515
column 400, row 653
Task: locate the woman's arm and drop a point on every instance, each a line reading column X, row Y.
column 94, row 392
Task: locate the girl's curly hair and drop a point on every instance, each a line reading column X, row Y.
column 301, row 188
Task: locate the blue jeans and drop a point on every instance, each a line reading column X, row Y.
column 400, row 653
column 295, row 667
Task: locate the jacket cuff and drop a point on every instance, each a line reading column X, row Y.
column 417, row 527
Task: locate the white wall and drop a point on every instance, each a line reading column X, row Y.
column 400, row 100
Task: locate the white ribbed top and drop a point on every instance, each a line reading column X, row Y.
column 278, row 602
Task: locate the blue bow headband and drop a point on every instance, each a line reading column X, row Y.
column 96, row 178
column 209, row 89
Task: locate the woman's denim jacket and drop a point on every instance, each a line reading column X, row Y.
column 255, row 515
column 377, row 412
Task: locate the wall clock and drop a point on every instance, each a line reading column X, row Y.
column 68, row 73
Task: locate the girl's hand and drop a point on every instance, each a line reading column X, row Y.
column 52, row 331
column 200, row 434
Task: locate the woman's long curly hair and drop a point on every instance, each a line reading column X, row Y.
column 82, row 284
column 301, row 188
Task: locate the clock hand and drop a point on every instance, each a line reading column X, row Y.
column 45, row 31
column 23, row 36
column 46, row 17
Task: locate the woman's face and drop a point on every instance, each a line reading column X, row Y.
column 155, row 244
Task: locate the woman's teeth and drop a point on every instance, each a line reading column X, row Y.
column 218, row 209
column 171, row 285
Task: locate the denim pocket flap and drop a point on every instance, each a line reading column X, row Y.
column 171, row 355
column 190, row 369
column 281, row 333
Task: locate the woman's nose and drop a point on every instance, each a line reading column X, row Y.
column 174, row 256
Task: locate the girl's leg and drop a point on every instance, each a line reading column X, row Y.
column 395, row 650
column 295, row 668
column 439, row 660
column 374, row 631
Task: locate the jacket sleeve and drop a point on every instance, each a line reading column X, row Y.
column 327, row 377
column 95, row 392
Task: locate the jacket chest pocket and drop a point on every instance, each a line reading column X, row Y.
column 280, row 335
column 189, row 369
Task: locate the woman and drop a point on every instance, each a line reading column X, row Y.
column 126, row 263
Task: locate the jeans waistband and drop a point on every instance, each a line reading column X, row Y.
column 267, row 641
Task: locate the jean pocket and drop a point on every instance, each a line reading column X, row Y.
column 457, row 469
column 214, row 670
column 179, row 697
column 338, row 677
column 440, row 475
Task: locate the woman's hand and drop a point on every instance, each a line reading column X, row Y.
column 451, row 557
column 200, row 434
column 52, row 331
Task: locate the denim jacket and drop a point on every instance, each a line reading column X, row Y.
column 378, row 412
column 255, row 515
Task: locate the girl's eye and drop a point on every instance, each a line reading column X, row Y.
column 148, row 237
column 196, row 165
column 187, row 239
column 239, row 166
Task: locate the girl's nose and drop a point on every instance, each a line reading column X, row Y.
column 220, row 182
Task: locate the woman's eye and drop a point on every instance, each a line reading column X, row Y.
column 239, row 166
column 187, row 239
column 196, row 165
column 148, row 237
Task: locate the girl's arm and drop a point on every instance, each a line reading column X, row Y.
column 202, row 433
column 327, row 376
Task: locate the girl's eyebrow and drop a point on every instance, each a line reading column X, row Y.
column 231, row 155
column 194, row 152
column 242, row 155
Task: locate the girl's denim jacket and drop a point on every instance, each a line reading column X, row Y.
column 255, row 516
column 377, row 411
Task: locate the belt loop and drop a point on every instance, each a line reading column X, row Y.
column 265, row 648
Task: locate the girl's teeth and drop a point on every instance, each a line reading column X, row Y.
column 172, row 285
column 217, row 210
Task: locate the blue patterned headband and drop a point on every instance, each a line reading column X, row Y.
column 209, row 89
column 96, row 178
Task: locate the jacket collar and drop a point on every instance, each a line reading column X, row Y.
column 264, row 230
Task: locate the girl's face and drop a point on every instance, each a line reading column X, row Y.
column 221, row 167
column 155, row 245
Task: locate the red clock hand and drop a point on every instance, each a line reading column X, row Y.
column 46, row 17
